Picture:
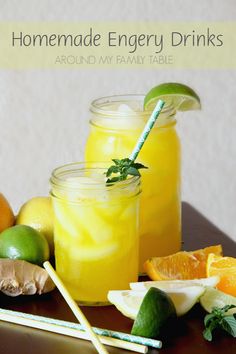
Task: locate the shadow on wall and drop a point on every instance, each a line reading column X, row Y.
column 198, row 232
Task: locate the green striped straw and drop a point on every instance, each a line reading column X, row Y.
column 99, row 331
column 148, row 127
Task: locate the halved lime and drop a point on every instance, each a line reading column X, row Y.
column 180, row 96
column 155, row 313
column 216, row 298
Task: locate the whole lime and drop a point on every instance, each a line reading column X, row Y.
column 155, row 315
column 24, row 242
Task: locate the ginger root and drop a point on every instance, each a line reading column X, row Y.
column 19, row 277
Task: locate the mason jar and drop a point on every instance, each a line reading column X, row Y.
column 116, row 122
column 95, row 231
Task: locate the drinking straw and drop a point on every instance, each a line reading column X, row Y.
column 75, row 308
column 55, row 326
column 151, row 121
column 12, row 316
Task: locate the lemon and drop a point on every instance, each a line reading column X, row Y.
column 155, row 313
column 168, row 285
column 216, row 298
column 128, row 301
column 24, row 242
column 180, row 96
column 38, row 213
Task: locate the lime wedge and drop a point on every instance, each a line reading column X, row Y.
column 216, row 298
column 155, row 313
column 180, row 96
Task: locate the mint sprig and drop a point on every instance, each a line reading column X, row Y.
column 122, row 168
column 218, row 319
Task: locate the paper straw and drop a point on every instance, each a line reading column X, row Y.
column 151, row 121
column 129, row 338
column 36, row 322
column 75, row 308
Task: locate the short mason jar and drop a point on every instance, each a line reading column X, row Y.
column 95, row 231
column 116, row 123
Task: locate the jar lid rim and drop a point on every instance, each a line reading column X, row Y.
column 97, row 106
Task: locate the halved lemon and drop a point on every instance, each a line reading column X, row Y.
column 168, row 285
column 216, row 298
column 128, row 302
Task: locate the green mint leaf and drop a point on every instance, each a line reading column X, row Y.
column 112, row 169
column 218, row 319
column 208, row 319
column 207, row 334
column 228, row 323
column 123, row 168
column 227, row 308
column 138, row 165
column 133, row 171
column 116, row 161
column 113, row 179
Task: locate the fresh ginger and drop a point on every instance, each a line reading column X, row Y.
column 18, row 277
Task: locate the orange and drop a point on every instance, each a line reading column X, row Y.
column 181, row 265
column 7, row 218
column 225, row 268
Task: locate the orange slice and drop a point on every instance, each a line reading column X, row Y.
column 225, row 268
column 181, row 265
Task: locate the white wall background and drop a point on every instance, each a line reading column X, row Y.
column 44, row 113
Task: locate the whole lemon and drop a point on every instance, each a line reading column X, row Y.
column 38, row 213
column 7, row 218
column 24, row 242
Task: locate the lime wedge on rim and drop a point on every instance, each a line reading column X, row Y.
column 216, row 298
column 180, row 96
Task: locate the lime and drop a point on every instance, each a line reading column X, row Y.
column 155, row 313
column 38, row 213
column 181, row 97
column 24, row 242
column 216, row 298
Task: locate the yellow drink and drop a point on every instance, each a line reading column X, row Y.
column 95, row 231
column 116, row 124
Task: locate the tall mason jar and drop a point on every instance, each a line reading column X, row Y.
column 95, row 231
column 115, row 125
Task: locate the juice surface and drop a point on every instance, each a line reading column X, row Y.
column 96, row 243
column 160, row 209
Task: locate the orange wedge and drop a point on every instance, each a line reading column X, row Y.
column 181, row 265
column 225, row 268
